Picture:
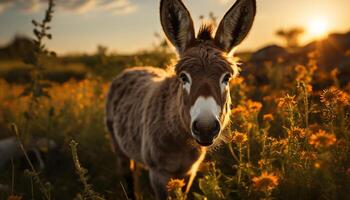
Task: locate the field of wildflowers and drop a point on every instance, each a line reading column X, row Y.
column 289, row 136
column 287, row 141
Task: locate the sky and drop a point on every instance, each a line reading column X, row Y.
column 126, row 26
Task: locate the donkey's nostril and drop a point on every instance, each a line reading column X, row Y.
column 195, row 128
column 216, row 128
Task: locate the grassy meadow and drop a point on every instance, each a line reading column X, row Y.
column 290, row 129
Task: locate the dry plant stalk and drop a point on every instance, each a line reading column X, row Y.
column 88, row 193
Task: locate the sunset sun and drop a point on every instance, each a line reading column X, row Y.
column 318, row 27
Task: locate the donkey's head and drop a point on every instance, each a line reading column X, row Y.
column 205, row 69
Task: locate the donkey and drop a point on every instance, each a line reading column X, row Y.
column 167, row 119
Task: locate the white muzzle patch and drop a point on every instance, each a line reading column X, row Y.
column 204, row 108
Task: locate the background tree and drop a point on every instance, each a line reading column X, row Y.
column 291, row 36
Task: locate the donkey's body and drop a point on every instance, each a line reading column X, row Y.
column 143, row 115
column 167, row 119
column 143, row 110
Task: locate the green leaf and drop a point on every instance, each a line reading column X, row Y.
column 198, row 196
column 37, row 33
column 35, row 23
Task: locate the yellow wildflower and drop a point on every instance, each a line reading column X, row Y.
column 344, row 99
column 297, row 132
column 254, row 106
column 268, row 117
column 286, row 102
column 261, row 162
column 238, row 110
column 248, row 125
column 330, row 96
column 175, row 184
column 300, row 69
column 236, row 81
column 309, row 88
column 265, row 181
column 239, row 138
column 322, row 139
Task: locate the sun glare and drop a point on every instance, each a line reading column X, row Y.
column 318, row 28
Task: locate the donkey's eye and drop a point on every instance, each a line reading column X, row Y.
column 184, row 78
column 226, row 79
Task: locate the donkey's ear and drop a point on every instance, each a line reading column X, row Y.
column 177, row 23
column 235, row 25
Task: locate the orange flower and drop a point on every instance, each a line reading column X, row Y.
column 297, row 132
column 304, row 74
column 248, row 125
column 309, row 88
column 174, row 184
column 261, row 163
column 254, row 106
column 238, row 110
column 286, row 102
column 268, row 117
column 236, row 81
column 322, row 139
column 344, row 99
column 330, row 96
column 300, row 69
column 265, row 181
column 239, row 138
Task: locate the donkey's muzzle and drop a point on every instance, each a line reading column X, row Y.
column 205, row 131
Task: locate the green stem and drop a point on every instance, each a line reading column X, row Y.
column 306, row 104
column 240, row 164
column 45, row 192
column 13, row 177
column 232, row 152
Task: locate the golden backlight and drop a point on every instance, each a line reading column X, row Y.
column 318, row 28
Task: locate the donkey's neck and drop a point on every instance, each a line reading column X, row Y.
column 175, row 106
column 173, row 110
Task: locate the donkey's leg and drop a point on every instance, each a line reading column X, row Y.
column 159, row 182
column 124, row 171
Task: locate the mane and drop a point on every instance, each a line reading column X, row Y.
column 206, row 32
